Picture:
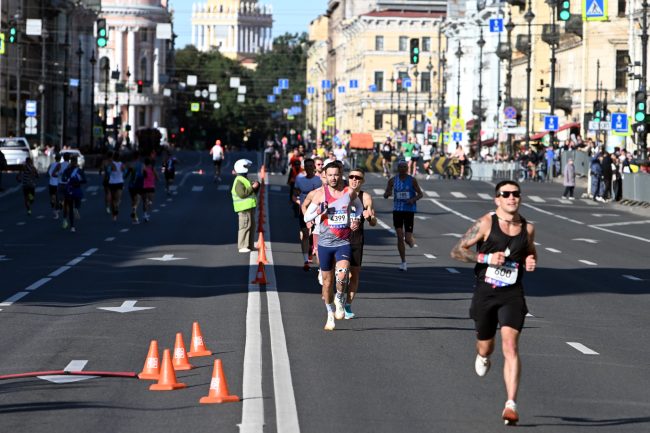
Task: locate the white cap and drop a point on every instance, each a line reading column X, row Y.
column 242, row 165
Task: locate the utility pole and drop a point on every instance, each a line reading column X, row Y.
column 93, row 61
column 643, row 135
column 529, row 16
column 64, row 114
column 19, row 50
column 79, row 54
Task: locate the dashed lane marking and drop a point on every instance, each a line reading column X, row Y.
column 588, row 263
column 38, row 284
column 432, row 194
column 378, row 191
column 109, row 239
column 458, row 194
column 197, row 188
column 536, row 199
column 163, row 205
column 553, row 214
column 40, row 189
column 10, row 300
column 156, row 210
column 453, row 271
column 632, row 277
column 454, row 235
column 124, row 230
column 485, row 196
column 20, row 223
column 385, row 226
column 553, row 250
column 223, row 188
column 40, row 217
column 59, row 271
column 582, row 348
column 589, row 202
column 93, row 188
column 430, row 256
column 90, row 252
column 76, row 261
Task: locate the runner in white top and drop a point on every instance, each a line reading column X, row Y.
column 54, row 172
column 116, row 184
column 218, row 153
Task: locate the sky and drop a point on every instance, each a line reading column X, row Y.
column 292, row 16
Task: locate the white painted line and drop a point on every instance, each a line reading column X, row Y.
column 632, row 277
column 163, row 205
column 638, row 238
column 197, row 188
column 223, row 188
column 587, row 240
column 124, row 230
column 378, row 191
column 21, row 223
column 537, row 244
column 422, row 218
column 430, row 256
column 84, row 200
column 90, row 252
column 76, row 365
column 432, row 194
column 582, row 348
column 601, row 215
column 40, row 189
column 587, row 262
column 173, row 188
column 454, row 235
column 9, row 301
column 553, row 250
column 385, row 226
column 589, row 202
column 59, row 271
column 626, row 223
column 156, row 210
column 109, row 239
column 40, row 217
column 564, row 200
column 536, row 199
column 169, row 200
column 485, row 196
column 453, row 271
column 448, row 209
column 275, row 188
column 75, row 262
column 529, row 315
column 458, row 194
column 37, row 284
column 552, row 214
column 93, row 188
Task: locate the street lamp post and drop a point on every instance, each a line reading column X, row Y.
column 643, row 135
column 554, row 45
column 128, row 107
column 416, row 74
column 510, row 26
column 442, row 89
column 79, row 54
column 529, row 16
column 118, row 115
column 399, row 107
column 459, row 54
column 429, row 69
column 93, row 61
column 107, row 70
column 392, row 88
column 481, row 44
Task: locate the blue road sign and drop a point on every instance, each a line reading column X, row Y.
column 496, row 25
column 311, row 90
column 270, row 99
column 594, row 10
column 354, row 84
column 619, row 122
column 341, row 89
column 283, row 83
column 551, row 123
column 457, row 136
column 329, row 96
column 306, row 101
column 30, row 108
column 326, row 84
column 297, row 98
column 372, row 87
column 276, row 90
column 510, row 112
column 406, row 83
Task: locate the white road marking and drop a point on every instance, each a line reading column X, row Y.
column 485, row 196
column 589, row 202
column 173, row 188
column 223, row 188
column 124, row 230
column 432, row 194
column 74, row 365
column 564, row 200
column 10, row 190
column 37, row 284
column 458, row 194
column 10, row 300
column 638, row 238
column 553, row 250
column 625, row 223
column 126, row 307
column 454, row 235
column 582, row 348
column 448, row 209
column 40, row 217
column 59, row 271
column 587, row 262
column 156, row 210
column 378, row 191
column 601, row 215
column 166, row 258
column 76, row 261
column 109, row 239
column 169, row 200
column 93, row 188
column 386, row 226
column 197, row 188
column 537, row 244
column 430, row 256
column 163, row 205
column 587, row 240
column 90, row 252
column 536, row 199
column 453, row 271
column 529, row 315
column 4, row 258
column 423, row 218
column 552, row 214
column 21, row 223
column 40, row 189
column 632, row 277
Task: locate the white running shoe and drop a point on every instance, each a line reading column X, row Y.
column 340, row 307
column 482, row 365
column 403, row 267
column 510, row 415
column 330, row 324
column 244, row 250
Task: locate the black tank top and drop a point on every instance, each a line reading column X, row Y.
column 357, row 236
column 498, row 241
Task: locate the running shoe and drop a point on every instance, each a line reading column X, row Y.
column 65, row 224
column 76, row 214
column 244, row 250
column 403, row 267
column 72, row 229
column 348, row 312
column 481, row 365
column 29, row 212
column 510, row 415
column 330, row 324
column 339, row 302
column 305, row 267
column 108, row 210
column 30, row 197
column 56, row 215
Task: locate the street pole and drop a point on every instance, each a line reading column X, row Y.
column 118, row 115
column 510, row 26
column 481, row 44
column 643, row 135
column 128, row 111
column 79, row 54
column 392, row 88
column 106, row 72
column 399, row 107
column 406, row 91
column 41, row 86
column 553, row 62
column 93, row 61
column 440, row 121
column 529, row 16
column 66, row 83
column 18, row 17
column 415, row 110
column 459, row 54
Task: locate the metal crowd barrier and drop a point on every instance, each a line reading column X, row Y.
column 636, row 186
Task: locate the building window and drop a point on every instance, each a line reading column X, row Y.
column 622, row 62
column 425, row 82
column 379, row 80
column 379, row 119
column 426, row 44
column 379, row 43
column 141, row 117
column 143, row 35
column 143, row 68
column 621, row 7
column 403, row 43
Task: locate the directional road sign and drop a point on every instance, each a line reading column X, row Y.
column 30, row 107
column 594, row 10
column 551, row 123
column 457, row 136
column 496, row 25
column 619, row 122
column 457, row 125
column 510, row 112
column 406, row 83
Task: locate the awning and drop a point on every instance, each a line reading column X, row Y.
column 539, row 135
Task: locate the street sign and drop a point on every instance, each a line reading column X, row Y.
column 510, row 112
column 457, row 136
column 593, row 125
column 594, row 10
column 326, row 84
column 605, row 126
column 31, row 122
column 2, row 43
column 455, row 111
column 30, row 107
column 354, row 84
column 510, row 123
column 429, row 114
column 518, row 130
column 457, row 125
column 406, row 83
column 551, row 123
column 283, row 83
column 619, row 122
column 496, row 25
column 31, row 131
column 195, row 106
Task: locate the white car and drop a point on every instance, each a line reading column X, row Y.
column 15, row 149
column 77, row 153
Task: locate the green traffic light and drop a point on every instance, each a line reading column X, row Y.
column 12, row 31
column 102, row 33
column 101, row 42
column 565, row 15
column 639, row 116
column 416, row 50
column 640, row 106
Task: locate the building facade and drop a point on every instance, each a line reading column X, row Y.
column 238, row 29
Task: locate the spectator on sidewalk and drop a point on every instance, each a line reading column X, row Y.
column 596, row 172
column 569, row 180
column 606, row 164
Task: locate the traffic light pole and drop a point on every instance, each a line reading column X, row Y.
column 553, row 62
column 643, row 135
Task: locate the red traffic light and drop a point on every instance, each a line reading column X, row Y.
column 182, row 129
column 140, row 82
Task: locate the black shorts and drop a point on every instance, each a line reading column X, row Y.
column 357, row 254
column 402, row 219
column 27, row 190
column 170, row 175
column 217, row 162
column 492, row 307
column 148, row 190
column 113, row 187
column 53, row 189
column 388, row 157
column 134, row 192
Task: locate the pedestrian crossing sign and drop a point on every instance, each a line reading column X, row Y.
column 2, row 43
column 594, row 10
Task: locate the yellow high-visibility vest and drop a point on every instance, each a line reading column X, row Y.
column 242, row 204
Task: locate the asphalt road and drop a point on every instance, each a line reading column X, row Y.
column 404, row 364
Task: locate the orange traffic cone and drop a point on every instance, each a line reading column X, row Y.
column 180, row 361
column 151, row 369
column 261, row 274
column 261, row 249
column 263, row 173
column 218, row 387
column 197, row 346
column 167, row 380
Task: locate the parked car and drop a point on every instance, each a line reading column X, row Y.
column 77, row 153
column 15, row 149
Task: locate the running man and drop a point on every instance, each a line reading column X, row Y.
column 356, row 179
column 54, row 172
column 406, row 192
column 218, row 153
column 337, row 210
column 505, row 249
column 148, row 187
column 305, row 183
column 27, row 176
column 169, row 168
column 75, row 177
column 387, row 156
column 104, row 172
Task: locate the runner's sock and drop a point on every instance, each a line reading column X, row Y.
column 331, row 308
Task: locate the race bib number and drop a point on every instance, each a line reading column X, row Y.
column 402, row 195
column 338, row 219
column 500, row 276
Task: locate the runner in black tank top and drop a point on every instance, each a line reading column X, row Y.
column 505, row 245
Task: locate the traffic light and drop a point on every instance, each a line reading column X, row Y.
column 13, row 33
column 140, row 85
column 598, row 111
column 415, row 51
column 639, row 106
column 563, row 10
column 182, row 129
column 102, row 33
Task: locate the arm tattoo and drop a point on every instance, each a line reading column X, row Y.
column 462, row 250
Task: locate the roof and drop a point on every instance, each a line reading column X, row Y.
column 404, row 14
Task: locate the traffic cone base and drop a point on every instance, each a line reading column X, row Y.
column 218, row 392
column 151, row 369
column 180, row 361
column 197, row 346
column 167, row 380
column 261, row 248
column 260, row 277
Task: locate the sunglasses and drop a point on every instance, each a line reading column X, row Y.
column 506, row 194
column 355, row 177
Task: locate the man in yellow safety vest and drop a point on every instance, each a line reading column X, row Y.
column 244, row 201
